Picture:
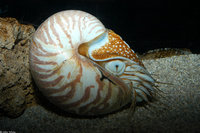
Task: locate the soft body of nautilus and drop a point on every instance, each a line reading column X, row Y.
column 84, row 68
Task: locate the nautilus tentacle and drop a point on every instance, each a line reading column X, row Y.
column 84, row 68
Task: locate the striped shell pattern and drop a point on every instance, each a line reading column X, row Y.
column 84, row 68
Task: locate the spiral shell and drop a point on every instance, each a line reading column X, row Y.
column 84, row 68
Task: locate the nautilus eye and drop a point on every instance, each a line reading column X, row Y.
column 116, row 67
column 84, row 68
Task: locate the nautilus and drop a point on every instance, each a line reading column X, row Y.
column 84, row 68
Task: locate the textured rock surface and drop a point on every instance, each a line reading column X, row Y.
column 15, row 79
column 11, row 32
column 177, row 111
column 166, row 52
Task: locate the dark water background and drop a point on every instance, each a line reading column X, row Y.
column 143, row 24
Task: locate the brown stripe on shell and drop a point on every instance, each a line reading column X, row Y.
column 36, row 68
column 59, row 99
column 37, row 61
column 65, row 19
column 38, row 46
column 38, row 53
column 46, row 29
column 41, row 36
column 100, row 30
column 98, row 97
column 55, row 71
column 69, row 75
column 79, row 27
column 92, row 23
column 55, row 32
column 85, row 97
column 73, row 20
column 48, row 84
column 70, row 94
column 91, row 29
column 65, row 31
column 104, row 103
column 60, row 18
column 108, row 96
column 84, row 23
column 91, row 18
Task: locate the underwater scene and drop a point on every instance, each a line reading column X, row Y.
column 104, row 66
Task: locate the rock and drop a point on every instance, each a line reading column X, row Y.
column 178, row 110
column 166, row 52
column 15, row 79
column 13, row 101
column 11, row 32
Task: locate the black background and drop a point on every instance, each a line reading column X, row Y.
column 143, row 24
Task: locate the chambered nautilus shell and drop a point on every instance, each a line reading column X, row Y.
column 84, row 68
